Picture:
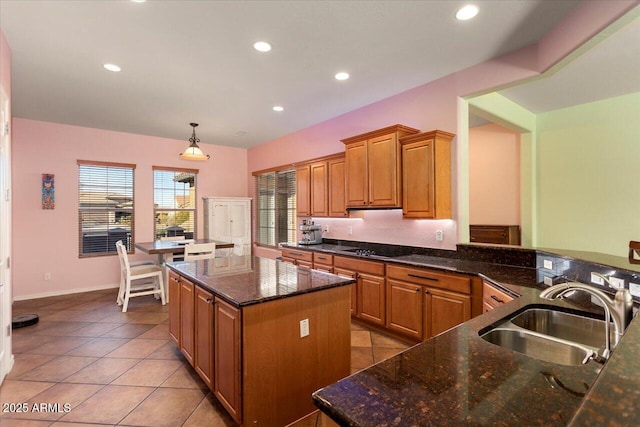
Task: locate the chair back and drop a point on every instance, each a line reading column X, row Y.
column 196, row 251
column 171, row 238
column 123, row 257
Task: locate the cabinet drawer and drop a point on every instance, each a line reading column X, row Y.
column 361, row 266
column 493, row 296
column 324, row 259
column 430, row 278
column 297, row 254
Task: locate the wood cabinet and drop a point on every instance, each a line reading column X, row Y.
column 337, row 206
column 493, row 297
column 297, row 257
column 228, row 219
column 204, row 324
column 227, row 371
column 303, row 190
column 373, row 168
column 319, row 189
column 497, row 234
column 444, row 301
column 323, row 262
column 426, row 175
column 187, row 319
column 370, row 287
column 354, row 288
column 174, row 307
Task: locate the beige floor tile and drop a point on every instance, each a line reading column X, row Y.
column 380, row 340
column 358, row 327
column 118, row 317
column 14, row 391
column 168, row 351
column 185, row 377
column 165, row 407
column 62, row 316
column 146, row 317
column 24, row 343
column 64, row 424
column 150, row 373
column 93, row 316
column 98, row 347
column 102, row 371
column 209, row 413
column 57, row 369
column 57, row 400
column 108, row 406
column 381, row 353
column 361, row 357
column 94, row 330
column 159, row 332
column 60, row 345
column 361, row 338
column 27, row 362
column 137, row 348
column 132, row 330
column 55, row 328
column 9, row 422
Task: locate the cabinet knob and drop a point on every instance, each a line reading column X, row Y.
column 209, row 300
column 426, row 291
column 417, row 289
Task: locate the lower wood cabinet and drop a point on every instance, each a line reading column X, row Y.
column 444, row 310
column 187, row 319
column 296, row 257
column 174, row 307
column 203, row 358
column 368, row 297
column 405, row 312
column 227, row 357
column 492, row 297
column 354, row 288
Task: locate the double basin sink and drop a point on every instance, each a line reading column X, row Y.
column 550, row 333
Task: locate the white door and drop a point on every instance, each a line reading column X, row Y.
column 6, row 358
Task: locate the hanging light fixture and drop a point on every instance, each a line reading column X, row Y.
column 193, row 152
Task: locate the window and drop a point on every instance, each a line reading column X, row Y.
column 174, row 202
column 276, row 207
column 105, row 207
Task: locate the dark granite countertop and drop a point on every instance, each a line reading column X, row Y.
column 263, row 280
column 457, row 378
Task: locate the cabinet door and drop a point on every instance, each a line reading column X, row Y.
column 354, row 287
column 337, row 205
column 444, row 310
column 371, row 298
column 319, row 189
column 174, row 307
column 187, row 319
column 227, row 369
column 418, row 196
column 405, row 308
column 203, row 361
column 303, row 191
column 219, row 221
column 383, row 170
column 356, row 179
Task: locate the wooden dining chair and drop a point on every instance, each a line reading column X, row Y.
column 132, row 264
column 196, row 251
column 139, row 280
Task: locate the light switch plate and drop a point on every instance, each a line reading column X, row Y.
column 304, row 328
column 616, row 282
column 634, row 288
column 548, row 264
column 597, row 279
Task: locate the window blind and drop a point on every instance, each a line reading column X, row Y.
column 174, row 202
column 276, row 207
column 105, row 207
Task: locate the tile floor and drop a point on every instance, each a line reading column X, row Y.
column 112, row 368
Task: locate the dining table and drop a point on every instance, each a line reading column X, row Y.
column 161, row 248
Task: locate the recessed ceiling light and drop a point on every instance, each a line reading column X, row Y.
column 113, row 67
column 278, row 108
column 466, row 12
column 262, row 46
column 342, row 76
column 138, row 1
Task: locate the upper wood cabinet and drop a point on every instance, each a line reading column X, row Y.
column 320, row 187
column 373, row 168
column 303, row 190
column 337, row 206
column 426, row 175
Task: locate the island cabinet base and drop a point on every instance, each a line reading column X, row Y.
column 280, row 368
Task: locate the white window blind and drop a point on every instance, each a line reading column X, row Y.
column 105, row 207
column 276, row 207
column 174, row 202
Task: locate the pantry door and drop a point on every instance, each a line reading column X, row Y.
column 6, row 358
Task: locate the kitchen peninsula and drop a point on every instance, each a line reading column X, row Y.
column 262, row 337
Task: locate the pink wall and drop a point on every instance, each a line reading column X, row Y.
column 434, row 106
column 46, row 241
column 5, row 65
column 494, row 175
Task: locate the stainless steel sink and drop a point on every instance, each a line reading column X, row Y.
column 567, row 326
column 537, row 346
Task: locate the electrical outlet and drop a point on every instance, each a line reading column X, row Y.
column 548, row 264
column 326, row 228
column 349, row 230
column 548, row 281
column 304, row 328
column 616, row 282
column 439, row 235
column 47, row 276
column 597, row 279
column 634, row 288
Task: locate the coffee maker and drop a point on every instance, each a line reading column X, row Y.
column 311, row 233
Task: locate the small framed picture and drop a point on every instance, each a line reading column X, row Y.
column 48, row 191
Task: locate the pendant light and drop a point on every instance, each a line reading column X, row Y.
column 193, row 152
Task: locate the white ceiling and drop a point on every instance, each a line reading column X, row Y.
column 193, row 61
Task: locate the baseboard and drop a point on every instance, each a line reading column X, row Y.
column 66, row 292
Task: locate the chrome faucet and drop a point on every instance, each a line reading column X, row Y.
column 620, row 309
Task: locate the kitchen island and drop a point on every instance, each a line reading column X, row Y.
column 263, row 337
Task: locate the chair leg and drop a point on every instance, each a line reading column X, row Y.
column 120, row 298
column 127, row 293
column 163, row 297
